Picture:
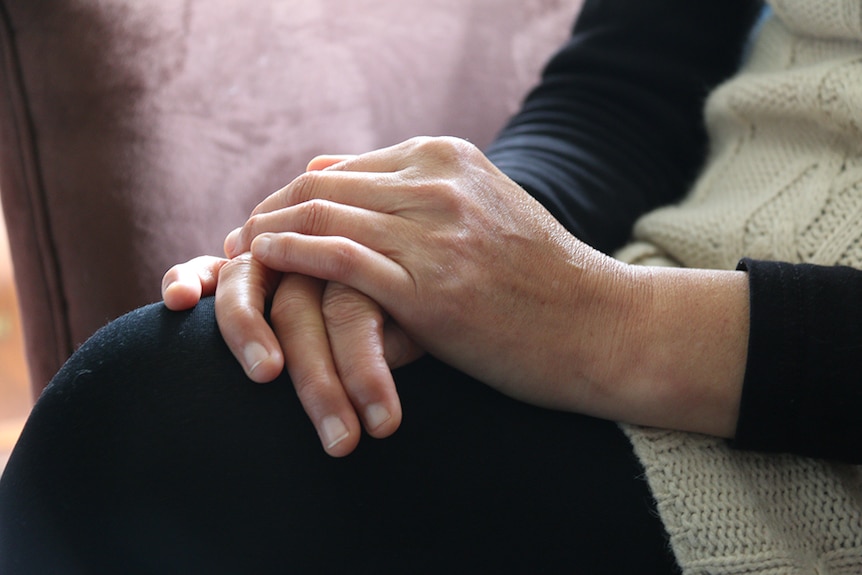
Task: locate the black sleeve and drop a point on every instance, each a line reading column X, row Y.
column 615, row 128
column 803, row 382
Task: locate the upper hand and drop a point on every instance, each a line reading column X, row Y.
column 471, row 267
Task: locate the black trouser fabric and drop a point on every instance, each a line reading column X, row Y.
column 151, row 452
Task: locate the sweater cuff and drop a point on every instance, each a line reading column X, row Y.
column 801, row 393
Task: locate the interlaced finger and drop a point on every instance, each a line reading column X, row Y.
column 320, row 218
column 338, row 259
column 354, row 325
column 185, row 284
column 244, row 286
column 297, row 319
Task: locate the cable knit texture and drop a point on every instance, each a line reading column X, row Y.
column 784, row 182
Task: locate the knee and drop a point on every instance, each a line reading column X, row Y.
column 159, row 380
column 138, row 366
column 144, row 381
column 153, row 368
column 141, row 344
column 137, row 424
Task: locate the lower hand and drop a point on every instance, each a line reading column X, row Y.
column 336, row 343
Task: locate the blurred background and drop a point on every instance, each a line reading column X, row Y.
column 15, row 399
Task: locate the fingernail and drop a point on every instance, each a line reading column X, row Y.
column 254, row 355
column 230, row 242
column 333, row 430
column 261, row 245
column 376, row 415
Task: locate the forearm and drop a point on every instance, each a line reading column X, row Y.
column 769, row 356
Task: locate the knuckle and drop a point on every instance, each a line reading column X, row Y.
column 345, row 261
column 363, row 384
column 446, row 149
column 231, row 269
column 302, row 189
column 235, row 267
column 242, row 278
column 313, row 217
column 317, row 392
column 282, row 307
column 417, row 143
column 312, row 387
column 243, row 316
column 250, row 230
column 451, row 195
column 442, row 195
column 344, row 307
column 235, row 317
column 287, row 302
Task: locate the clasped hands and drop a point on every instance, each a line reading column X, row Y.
column 371, row 261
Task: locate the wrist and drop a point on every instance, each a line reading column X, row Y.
column 676, row 346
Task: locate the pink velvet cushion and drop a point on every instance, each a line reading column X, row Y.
column 137, row 134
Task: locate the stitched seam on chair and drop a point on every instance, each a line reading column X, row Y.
column 22, row 129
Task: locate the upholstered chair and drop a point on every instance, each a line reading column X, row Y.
column 136, row 134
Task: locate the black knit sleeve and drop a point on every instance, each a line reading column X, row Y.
column 803, row 382
column 615, row 127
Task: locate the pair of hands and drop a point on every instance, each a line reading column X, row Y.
column 370, row 260
column 334, row 341
column 451, row 254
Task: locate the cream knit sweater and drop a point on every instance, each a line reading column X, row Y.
column 783, row 181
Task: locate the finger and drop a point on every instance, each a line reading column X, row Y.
column 316, row 164
column 364, row 178
column 326, row 161
column 354, row 325
column 320, row 218
column 425, row 151
column 373, row 180
column 185, row 284
column 369, row 190
column 244, row 286
column 298, row 321
column 230, row 243
column 338, row 259
column 406, row 154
